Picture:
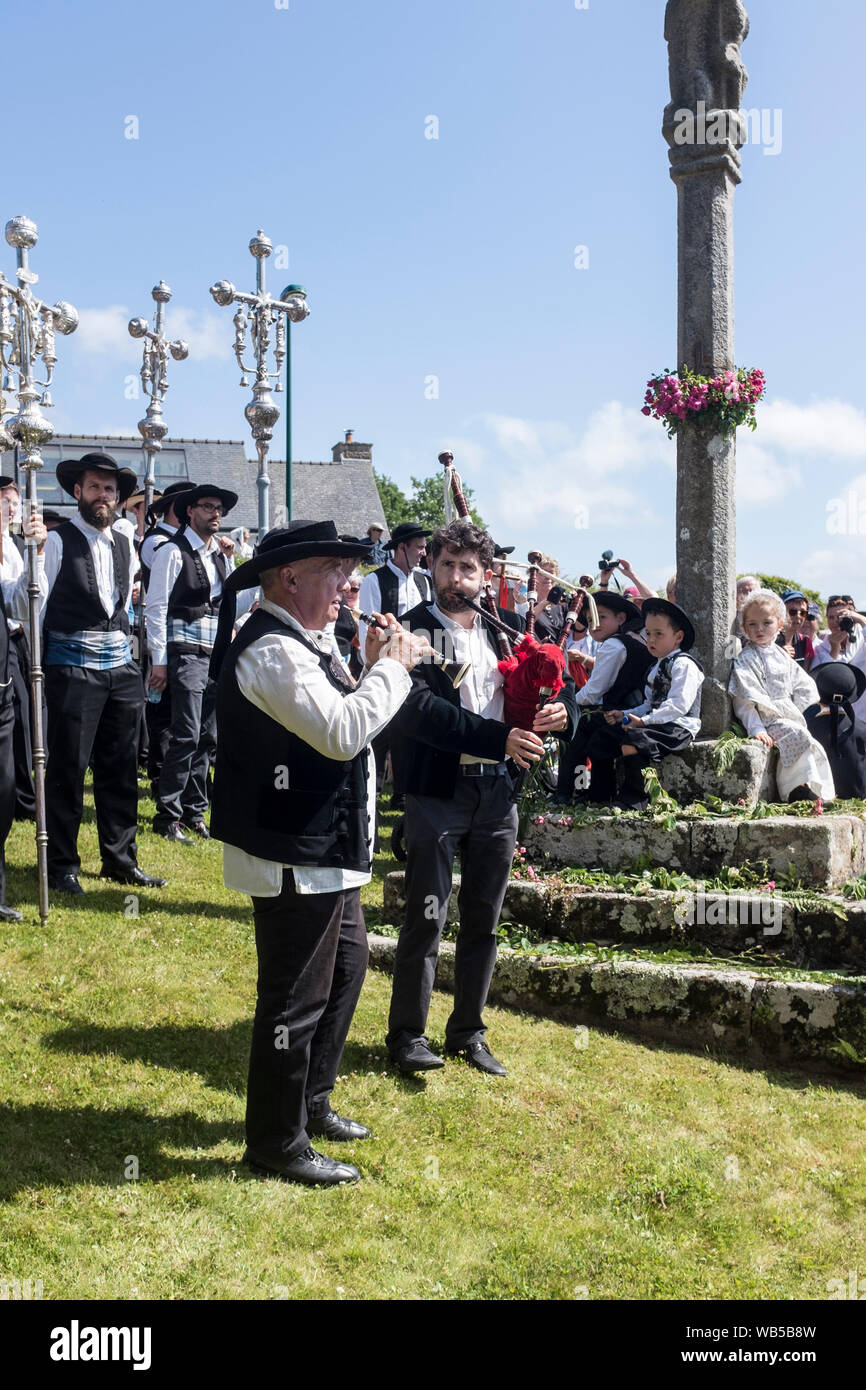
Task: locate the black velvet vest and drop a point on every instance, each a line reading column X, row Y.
column 190, row 598
column 273, row 795
column 628, row 688
column 389, row 589
column 74, row 604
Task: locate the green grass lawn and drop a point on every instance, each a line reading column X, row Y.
column 617, row 1170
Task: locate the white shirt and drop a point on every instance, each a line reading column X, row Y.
column 608, row 664
column 102, row 550
column 14, row 579
column 686, row 682
column 284, row 679
column 854, row 653
column 370, row 596
column 150, row 545
column 166, row 566
column 482, row 688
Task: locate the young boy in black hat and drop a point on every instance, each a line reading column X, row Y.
column 670, row 715
column 617, row 682
column 836, row 727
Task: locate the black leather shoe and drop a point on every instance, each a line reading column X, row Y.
column 134, row 876
column 172, row 831
column 8, row 914
column 478, row 1055
column 196, row 827
column 65, row 883
column 308, row 1167
column 418, row 1057
column 336, row 1128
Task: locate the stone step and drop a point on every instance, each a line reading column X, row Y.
column 691, row 775
column 825, row 851
column 814, row 937
column 738, row 1012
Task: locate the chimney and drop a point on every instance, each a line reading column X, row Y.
column 350, row 435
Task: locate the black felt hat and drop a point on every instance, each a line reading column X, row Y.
column 283, row 545
column 838, row 681
column 677, row 617
column 69, row 473
column 8, row 482
column 188, row 499
column 617, row 603
column 500, row 551
column 170, row 497
column 406, row 531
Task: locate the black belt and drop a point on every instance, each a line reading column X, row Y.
column 483, row 769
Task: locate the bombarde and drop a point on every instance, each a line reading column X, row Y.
column 456, row 671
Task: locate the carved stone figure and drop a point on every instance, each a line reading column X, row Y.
column 704, row 39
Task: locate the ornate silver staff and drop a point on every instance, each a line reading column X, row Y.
column 27, row 329
column 153, row 428
column 262, row 411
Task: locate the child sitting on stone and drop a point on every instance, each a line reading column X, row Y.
column 670, row 715
column 770, row 693
column 617, row 682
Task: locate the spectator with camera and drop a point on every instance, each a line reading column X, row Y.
column 845, row 640
column 607, row 567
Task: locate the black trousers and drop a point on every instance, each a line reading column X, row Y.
column 92, row 716
column 7, row 778
column 182, row 787
column 312, row 953
column 25, row 792
column 481, row 821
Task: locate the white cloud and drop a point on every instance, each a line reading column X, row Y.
column 760, row 476
column 829, row 428
column 103, row 331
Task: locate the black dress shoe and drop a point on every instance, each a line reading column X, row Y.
column 172, row 831
column 418, row 1057
column 197, row 827
column 308, row 1167
column 65, row 883
column 8, row 914
column 336, row 1128
column 134, row 876
column 478, row 1055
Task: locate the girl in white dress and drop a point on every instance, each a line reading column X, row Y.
column 770, row 692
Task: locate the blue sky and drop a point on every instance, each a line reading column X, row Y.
column 454, row 257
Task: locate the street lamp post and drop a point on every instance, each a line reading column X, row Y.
column 262, row 411
column 153, row 428
column 27, row 333
column 286, row 294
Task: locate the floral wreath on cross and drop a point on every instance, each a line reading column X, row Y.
column 729, row 398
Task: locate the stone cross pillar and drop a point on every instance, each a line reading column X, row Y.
column 704, row 129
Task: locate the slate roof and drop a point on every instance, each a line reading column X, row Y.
column 343, row 492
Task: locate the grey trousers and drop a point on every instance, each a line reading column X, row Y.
column 182, row 787
column 480, row 821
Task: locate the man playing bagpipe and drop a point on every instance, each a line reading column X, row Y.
column 464, row 753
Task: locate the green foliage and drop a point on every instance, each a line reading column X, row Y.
column 428, row 502
column 779, row 585
column 425, row 504
column 726, row 748
column 395, row 504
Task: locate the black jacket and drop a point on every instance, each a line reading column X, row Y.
column 433, row 728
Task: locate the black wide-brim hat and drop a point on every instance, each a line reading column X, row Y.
column 70, row 470
column 501, row 551
column 676, row 615
column 616, row 603
column 282, row 545
column 8, row 482
column 184, row 500
column 171, row 495
column 839, row 679
column 406, row 531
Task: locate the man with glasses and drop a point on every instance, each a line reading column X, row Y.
column 845, row 641
column 183, row 599
column 794, row 636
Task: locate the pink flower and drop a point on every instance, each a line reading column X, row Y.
column 531, row 874
column 818, row 808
